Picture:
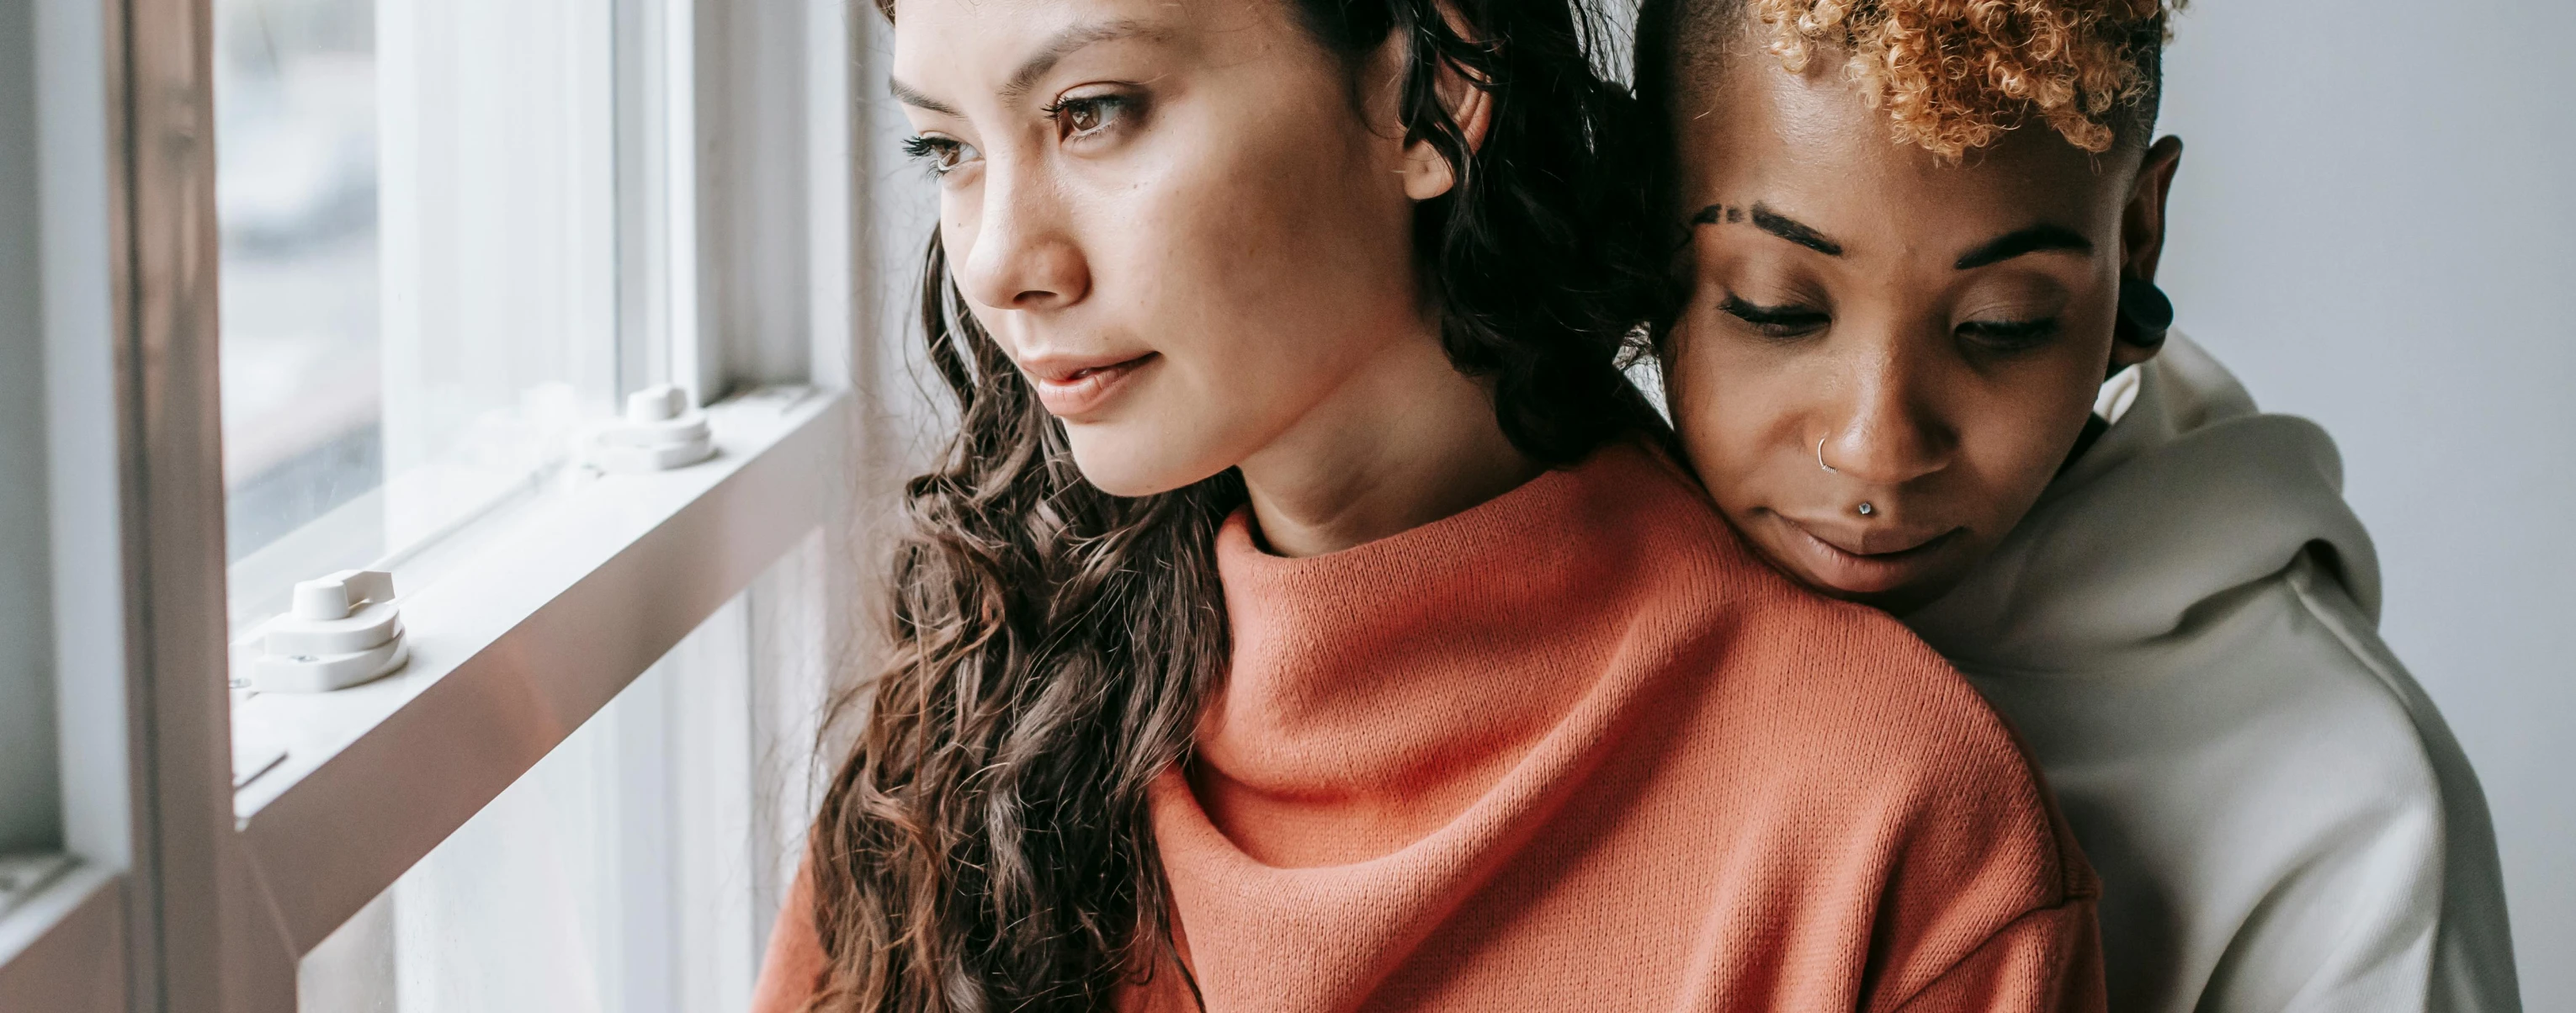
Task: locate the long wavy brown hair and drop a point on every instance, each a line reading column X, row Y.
column 986, row 844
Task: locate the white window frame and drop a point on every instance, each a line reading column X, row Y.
column 187, row 894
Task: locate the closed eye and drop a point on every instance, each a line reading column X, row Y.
column 2010, row 335
column 1776, row 321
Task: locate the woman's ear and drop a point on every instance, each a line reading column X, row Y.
column 1426, row 173
column 2142, row 224
column 1470, row 106
column 2142, row 232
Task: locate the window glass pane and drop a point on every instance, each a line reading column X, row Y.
column 28, row 810
column 295, row 115
column 615, row 877
column 417, row 204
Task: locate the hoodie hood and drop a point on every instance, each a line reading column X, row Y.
column 2191, row 493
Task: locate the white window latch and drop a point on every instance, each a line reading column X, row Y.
column 660, row 431
column 344, row 630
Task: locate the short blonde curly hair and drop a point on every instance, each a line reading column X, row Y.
column 1958, row 74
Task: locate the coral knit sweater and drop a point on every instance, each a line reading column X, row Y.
column 1575, row 748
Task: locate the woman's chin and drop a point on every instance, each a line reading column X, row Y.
column 1133, row 464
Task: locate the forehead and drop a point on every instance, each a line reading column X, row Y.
column 980, row 44
column 1747, row 129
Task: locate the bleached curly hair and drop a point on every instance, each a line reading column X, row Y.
column 1955, row 75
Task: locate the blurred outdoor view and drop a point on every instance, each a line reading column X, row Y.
column 418, row 211
column 295, row 112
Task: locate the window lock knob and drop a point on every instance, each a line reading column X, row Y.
column 342, row 630
column 660, row 431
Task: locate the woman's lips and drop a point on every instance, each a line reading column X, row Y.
column 1869, row 563
column 1071, row 388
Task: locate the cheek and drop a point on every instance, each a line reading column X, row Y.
column 1266, row 265
column 2017, row 433
column 1265, row 241
column 1731, row 411
column 960, row 222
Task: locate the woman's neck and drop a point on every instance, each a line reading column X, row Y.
column 1408, row 441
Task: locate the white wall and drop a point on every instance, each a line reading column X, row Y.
column 2375, row 226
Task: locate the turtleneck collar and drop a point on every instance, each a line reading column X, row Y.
column 1375, row 692
column 1578, row 747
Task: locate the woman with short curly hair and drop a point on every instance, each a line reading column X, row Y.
column 1921, row 234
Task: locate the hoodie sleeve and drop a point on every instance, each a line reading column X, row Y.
column 2410, row 893
column 2344, row 862
column 2351, row 932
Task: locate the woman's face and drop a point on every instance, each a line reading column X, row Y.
column 1934, row 334
column 1173, row 214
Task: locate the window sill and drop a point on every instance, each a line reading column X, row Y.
column 63, row 949
column 513, row 649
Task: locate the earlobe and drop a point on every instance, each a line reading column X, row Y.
column 2145, row 315
column 1426, row 173
column 1471, row 107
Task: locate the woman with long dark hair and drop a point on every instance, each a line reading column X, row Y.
column 1304, row 615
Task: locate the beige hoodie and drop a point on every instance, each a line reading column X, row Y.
column 2185, row 631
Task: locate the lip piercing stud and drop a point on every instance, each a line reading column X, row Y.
column 1866, row 509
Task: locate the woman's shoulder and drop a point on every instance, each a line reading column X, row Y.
column 2322, row 713
column 1884, row 717
column 1847, row 709
column 1885, row 771
column 1843, row 706
column 1845, row 684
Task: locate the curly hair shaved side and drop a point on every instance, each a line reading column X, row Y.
column 1954, row 75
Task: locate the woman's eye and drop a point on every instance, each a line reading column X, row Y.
column 2010, row 335
column 1776, row 321
column 943, row 155
column 1086, row 115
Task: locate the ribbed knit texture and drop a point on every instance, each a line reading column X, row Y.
column 1576, row 749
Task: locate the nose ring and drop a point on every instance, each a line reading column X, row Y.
column 1865, row 508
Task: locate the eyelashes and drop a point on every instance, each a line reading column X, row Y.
column 1082, row 116
column 1076, row 119
column 941, row 155
column 1776, row 321
column 1793, row 321
column 2010, row 335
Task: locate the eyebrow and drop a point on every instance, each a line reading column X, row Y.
column 1772, row 222
column 915, row 98
column 2035, row 239
column 1068, row 42
column 1064, row 44
column 1793, row 230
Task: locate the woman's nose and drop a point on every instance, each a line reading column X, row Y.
column 1021, row 255
column 1886, row 433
